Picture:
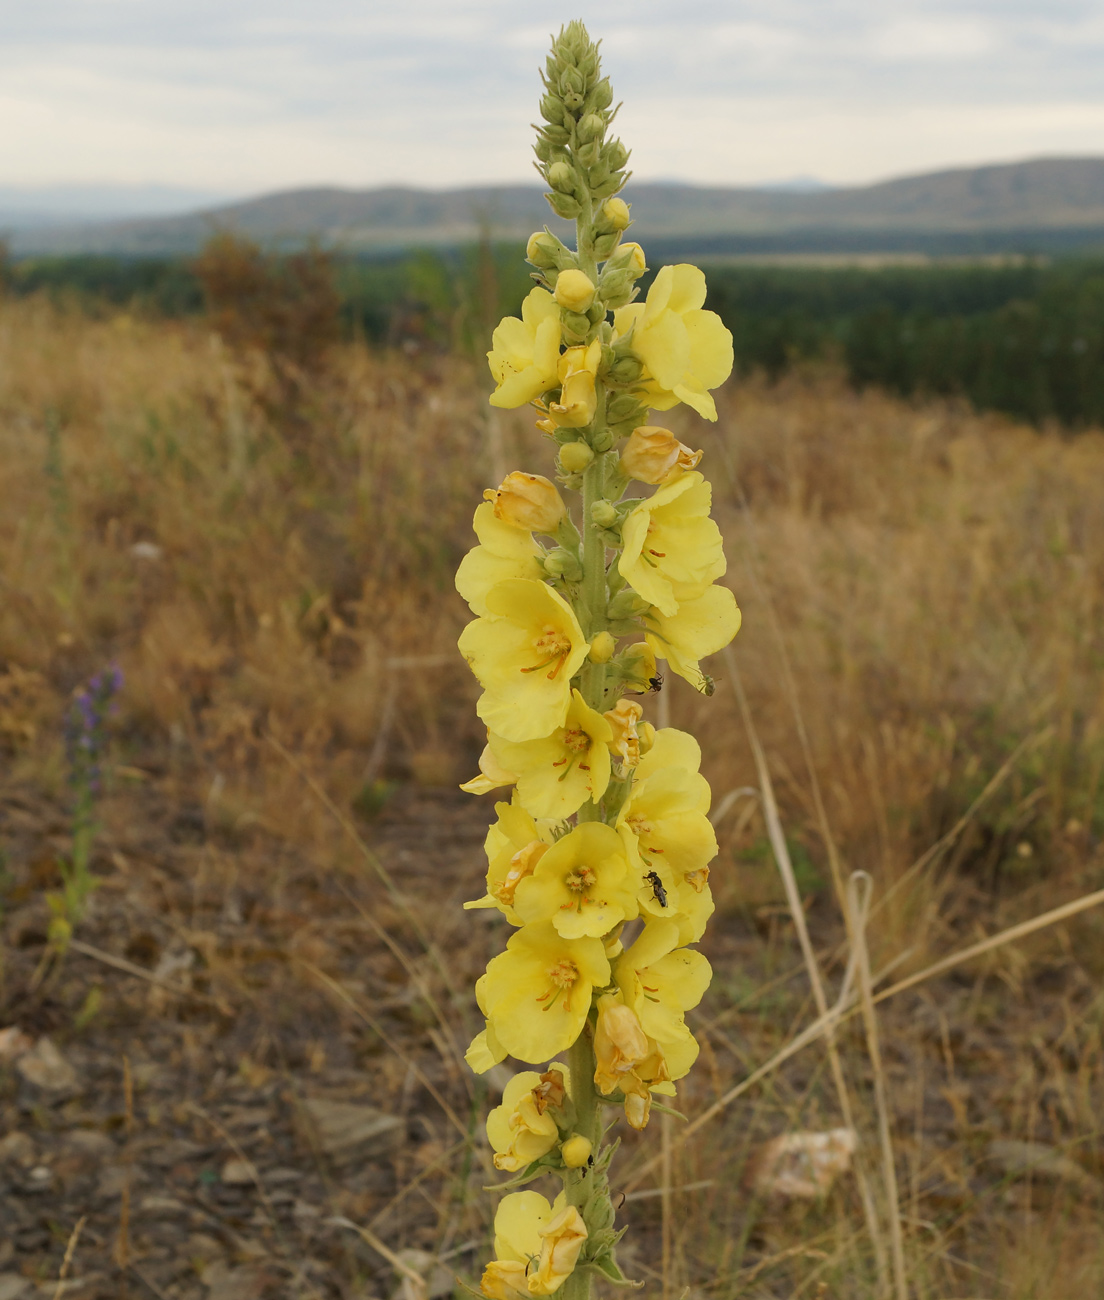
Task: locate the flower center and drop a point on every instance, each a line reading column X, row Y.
column 562, row 977
column 580, row 880
column 552, row 646
column 576, row 740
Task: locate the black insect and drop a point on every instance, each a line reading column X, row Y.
column 655, row 683
column 652, row 877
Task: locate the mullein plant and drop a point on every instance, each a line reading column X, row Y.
column 600, row 857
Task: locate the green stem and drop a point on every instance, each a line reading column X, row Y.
column 588, row 1123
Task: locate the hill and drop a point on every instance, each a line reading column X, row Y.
column 1044, row 204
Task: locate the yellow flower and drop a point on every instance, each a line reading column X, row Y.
column 670, row 748
column 514, row 845
column 574, row 290
column 660, row 981
column 620, row 1043
column 517, row 1243
column 524, row 353
column 578, row 401
column 528, row 501
column 524, row 651
column 672, row 549
column 703, row 625
column 503, row 552
column 624, row 718
column 653, row 455
column 582, row 886
column 627, row 1059
column 520, row 1130
column 562, row 1239
column 484, row 1052
column 536, row 994
column 686, row 350
column 557, row 774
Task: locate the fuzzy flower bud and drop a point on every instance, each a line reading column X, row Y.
column 602, row 648
column 575, row 457
column 653, row 455
column 561, row 176
column 638, row 665
column 576, row 1151
column 627, row 257
column 604, row 514
column 574, row 290
column 590, row 128
column 528, row 501
column 616, row 212
column 543, row 250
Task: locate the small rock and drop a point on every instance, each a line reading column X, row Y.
column 13, row 1044
column 239, row 1173
column 802, row 1166
column 1037, row 1160
column 44, row 1067
column 350, row 1132
column 17, row 1149
column 12, row 1286
column 146, row 551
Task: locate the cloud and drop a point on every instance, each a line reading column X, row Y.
column 255, row 94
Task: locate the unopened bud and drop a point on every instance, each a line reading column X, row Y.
column 617, row 155
column 542, row 250
column 628, row 257
column 560, row 563
column 576, row 1151
column 653, row 455
column 590, row 128
column 551, row 109
column 623, row 407
column 638, row 666
column 626, row 370
column 528, row 501
column 575, row 457
column 563, row 205
column 616, row 212
column 574, row 290
column 603, row 94
column 602, row 648
column 561, row 176
column 627, row 604
column 604, row 514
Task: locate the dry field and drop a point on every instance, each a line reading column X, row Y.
column 257, row 1088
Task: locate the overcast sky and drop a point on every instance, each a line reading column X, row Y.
column 240, row 96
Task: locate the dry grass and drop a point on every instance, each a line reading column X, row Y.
column 923, row 595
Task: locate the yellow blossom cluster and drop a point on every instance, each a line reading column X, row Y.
column 598, row 857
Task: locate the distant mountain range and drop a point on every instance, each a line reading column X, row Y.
column 1047, row 204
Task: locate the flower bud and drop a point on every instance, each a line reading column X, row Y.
column 575, row 457
column 574, row 290
column 576, row 1151
column 605, row 244
column 623, row 407
column 628, row 257
column 617, row 155
column 627, row 604
column 604, row 514
column 571, row 80
column 574, row 326
column 560, row 563
column 603, row 94
column 602, row 648
column 590, row 128
column 653, row 455
column 528, row 501
column 638, row 666
column 616, row 212
column 563, row 205
column 625, row 370
column 551, row 109
column 542, row 250
column 646, row 734
column 561, row 176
